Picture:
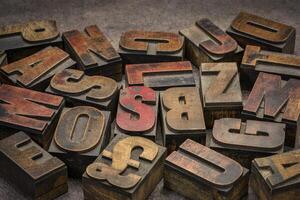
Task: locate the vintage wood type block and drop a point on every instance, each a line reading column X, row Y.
column 149, row 47
column 249, row 29
column 277, row 177
column 3, row 58
column 256, row 60
column 35, row 71
column 181, row 116
column 199, row 173
column 244, row 141
column 31, row 169
column 221, row 91
column 276, row 100
column 80, row 89
column 80, row 136
column 36, row 113
column 129, row 168
column 206, row 42
column 22, row 40
column 93, row 52
column 137, row 112
column 160, row 76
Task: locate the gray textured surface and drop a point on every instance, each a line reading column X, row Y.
column 115, row 17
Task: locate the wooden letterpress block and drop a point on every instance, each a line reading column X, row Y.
column 27, row 110
column 244, row 141
column 276, row 100
column 149, row 47
column 221, row 91
column 206, row 42
column 256, row 60
column 199, row 173
column 80, row 136
column 80, row 89
column 93, row 52
column 30, row 168
column 22, row 40
column 181, row 116
column 3, row 58
column 277, row 177
column 129, row 168
column 249, row 29
column 137, row 112
column 35, row 71
column 160, row 75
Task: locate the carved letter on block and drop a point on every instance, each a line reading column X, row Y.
column 244, row 141
column 182, row 116
column 275, row 100
column 160, row 75
column 206, row 42
column 35, row 71
column 30, row 111
column 277, row 177
column 94, row 52
column 21, row 40
column 147, row 46
column 199, row 173
column 3, row 58
column 256, row 60
column 137, row 112
column 129, row 168
column 250, row 29
column 80, row 136
column 80, row 89
column 34, row 171
column 221, row 91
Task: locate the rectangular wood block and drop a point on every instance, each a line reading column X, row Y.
column 93, row 52
column 160, row 76
column 81, row 134
column 24, row 39
column 220, row 90
column 181, row 116
column 36, row 71
column 148, row 47
column 130, row 167
column 30, row 168
column 206, row 42
column 277, row 177
column 244, row 141
column 36, row 113
column 79, row 89
column 249, row 29
column 273, row 99
column 199, row 173
column 137, row 112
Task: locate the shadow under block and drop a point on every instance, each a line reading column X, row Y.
column 199, row 173
column 160, row 76
column 244, row 141
column 31, row 169
column 93, row 52
column 137, row 112
column 35, row 71
column 148, row 47
column 35, row 113
column 256, row 60
column 249, row 29
column 206, row 42
column 273, row 99
column 22, row 40
column 277, row 177
column 79, row 89
column 221, row 92
column 181, row 116
column 129, row 168
column 81, row 134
